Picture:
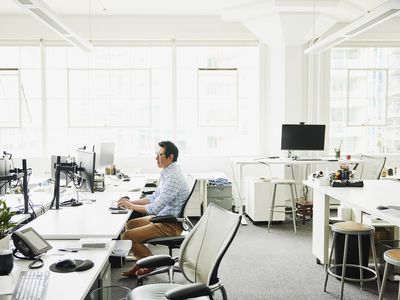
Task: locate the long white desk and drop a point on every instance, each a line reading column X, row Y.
column 242, row 162
column 66, row 286
column 366, row 199
column 92, row 219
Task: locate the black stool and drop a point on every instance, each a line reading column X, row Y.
column 347, row 229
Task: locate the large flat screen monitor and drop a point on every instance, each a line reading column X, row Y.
column 4, row 171
column 85, row 161
column 105, row 154
column 303, row 137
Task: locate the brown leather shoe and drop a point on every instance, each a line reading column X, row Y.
column 143, row 271
column 131, row 272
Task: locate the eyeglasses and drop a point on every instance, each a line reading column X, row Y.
column 160, row 154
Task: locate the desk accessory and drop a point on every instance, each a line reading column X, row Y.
column 6, row 262
column 78, row 266
column 94, row 242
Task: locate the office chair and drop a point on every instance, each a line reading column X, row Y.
column 371, row 168
column 172, row 242
column 199, row 259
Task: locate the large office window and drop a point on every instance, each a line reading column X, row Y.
column 120, row 94
column 21, row 101
column 205, row 98
column 365, row 99
column 218, row 100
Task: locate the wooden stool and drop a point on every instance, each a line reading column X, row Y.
column 291, row 183
column 391, row 257
column 304, row 210
column 347, row 229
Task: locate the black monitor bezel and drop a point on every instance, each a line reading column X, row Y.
column 304, row 129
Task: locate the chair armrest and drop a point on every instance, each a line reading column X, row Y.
column 188, row 291
column 164, row 219
column 156, row 261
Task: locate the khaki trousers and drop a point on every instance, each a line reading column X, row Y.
column 141, row 229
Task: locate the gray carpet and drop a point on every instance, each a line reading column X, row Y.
column 274, row 265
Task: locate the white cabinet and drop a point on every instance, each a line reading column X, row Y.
column 259, row 197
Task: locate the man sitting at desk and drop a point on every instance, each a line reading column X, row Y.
column 168, row 199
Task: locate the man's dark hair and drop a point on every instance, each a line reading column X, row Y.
column 170, row 148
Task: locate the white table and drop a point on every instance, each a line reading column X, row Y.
column 66, row 286
column 242, row 162
column 90, row 220
column 366, row 199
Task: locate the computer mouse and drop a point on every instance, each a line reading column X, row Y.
column 66, row 263
column 381, row 207
column 85, row 265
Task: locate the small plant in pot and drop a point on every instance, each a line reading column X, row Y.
column 6, row 258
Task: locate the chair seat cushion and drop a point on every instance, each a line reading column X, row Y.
column 155, row 292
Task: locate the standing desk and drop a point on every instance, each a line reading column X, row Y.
column 366, row 199
column 66, row 286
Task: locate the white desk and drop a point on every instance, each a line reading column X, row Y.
column 366, row 199
column 92, row 219
column 66, row 286
column 240, row 162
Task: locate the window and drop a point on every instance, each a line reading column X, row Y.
column 218, row 100
column 365, row 99
column 10, row 97
column 120, row 94
column 21, row 129
column 205, row 98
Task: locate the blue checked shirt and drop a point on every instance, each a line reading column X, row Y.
column 171, row 193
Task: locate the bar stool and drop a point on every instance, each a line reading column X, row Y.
column 291, row 183
column 347, row 229
column 392, row 257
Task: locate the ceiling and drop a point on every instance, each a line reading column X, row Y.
column 131, row 7
column 187, row 7
column 300, row 19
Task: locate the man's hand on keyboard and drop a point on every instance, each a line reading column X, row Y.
column 124, row 203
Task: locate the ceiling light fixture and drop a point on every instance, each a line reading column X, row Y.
column 44, row 13
column 372, row 18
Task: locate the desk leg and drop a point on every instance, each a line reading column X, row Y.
column 241, row 188
column 320, row 230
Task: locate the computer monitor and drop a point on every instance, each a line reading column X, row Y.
column 4, row 171
column 105, row 154
column 303, row 137
column 85, row 161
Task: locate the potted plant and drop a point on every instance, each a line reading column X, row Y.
column 6, row 258
column 5, row 219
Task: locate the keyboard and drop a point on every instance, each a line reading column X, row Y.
column 31, row 285
column 114, row 206
column 308, row 159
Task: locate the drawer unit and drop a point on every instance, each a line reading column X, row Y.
column 258, row 200
column 220, row 195
column 219, row 191
column 225, row 202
